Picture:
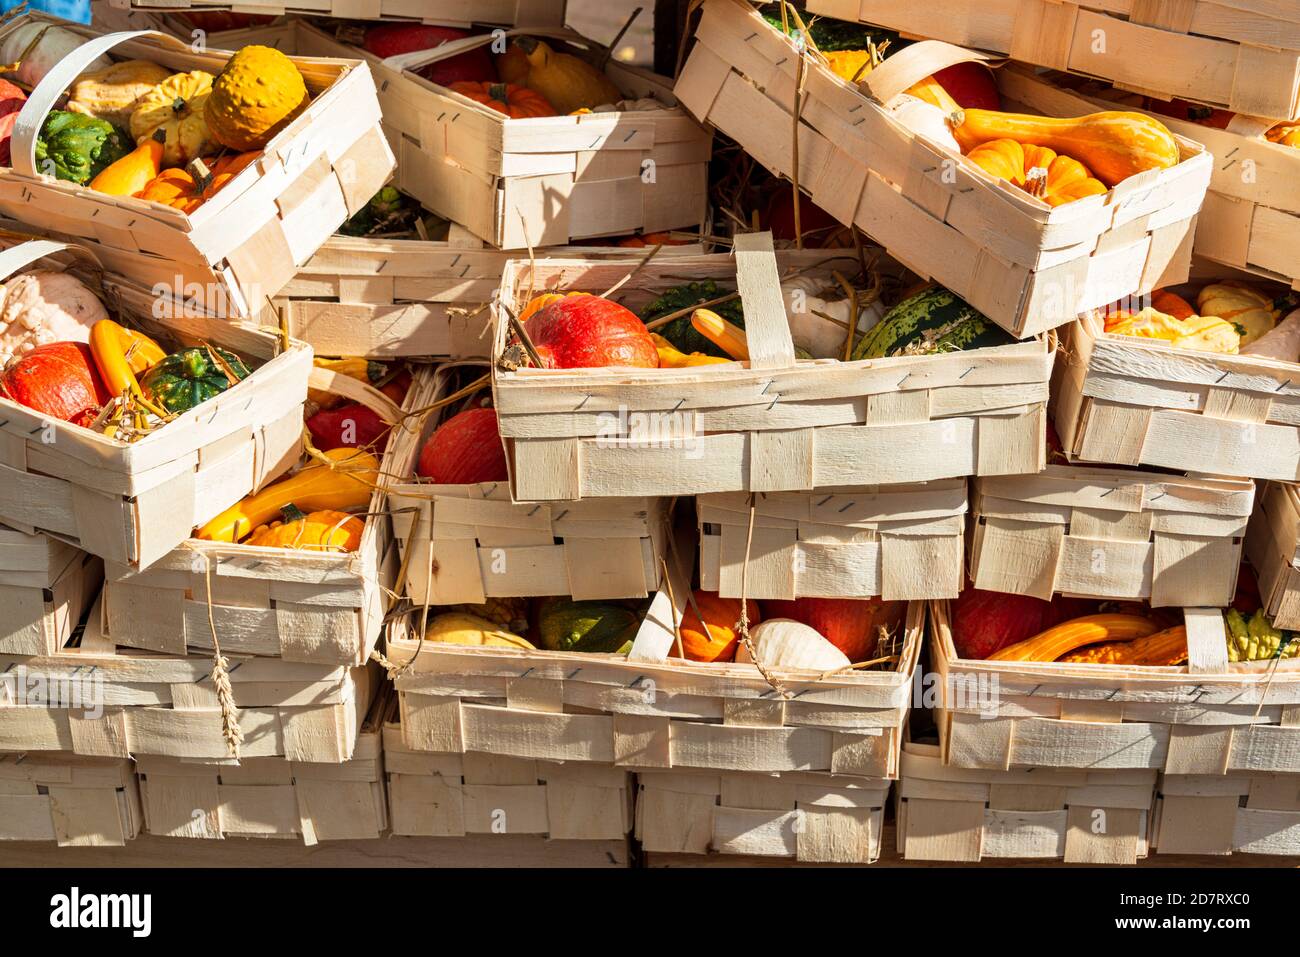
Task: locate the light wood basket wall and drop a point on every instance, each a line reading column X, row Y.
column 1251, row 216
column 1273, row 547
column 117, row 702
column 1243, row 55
column 1026, row 266
column 527, row 183
column 953, row 814
column 469, row 543
column 806, row 817
column 1232, row 814
column 45, row 587
column 776, row 424
column 70, row 800
column 898, row 542
column 271, row 797
column 1208, row 717
column 1110, row 533
column 133, row 503
column 474, row 793
column 456, row 13
column 242, row 246
column 386, row 299
column 651, row 711
column 1122, row 400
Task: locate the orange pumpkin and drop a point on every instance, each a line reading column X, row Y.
column 1039, row 171
column 173, row 187
column 716, row 639
column 1285, row 134
column 179, row 189
column 517, row 102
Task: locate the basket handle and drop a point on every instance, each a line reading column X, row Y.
column 24, row 254
column 1207, row 651
column 913, row 64
column 27, row 125
column 418, row 58
column 758, row 280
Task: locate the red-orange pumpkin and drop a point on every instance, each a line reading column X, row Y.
column 516, row 102
column 57, row 379
column 466, row 449
column 716, row 639
column 589, row 332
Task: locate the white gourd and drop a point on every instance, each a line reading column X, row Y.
column 822, row 339
column 924, row 118
column 49, row 43
column 45, row 306
column 785, row 643
column 1280, row 342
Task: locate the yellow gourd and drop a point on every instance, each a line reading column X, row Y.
column 723, row 334
column 670, row 357
column 567, row 82
column 458, row 628
column 851, row 65
column 259, row 92
column 324, row 531
column 347, row 483
column 176, row 106
column 1241, row 304
column 113, row 92
column 1202, row 333
column 1067, row 636
column 134, row 171
column 1168, row 647
column 1037, row 170
column 1114, row 145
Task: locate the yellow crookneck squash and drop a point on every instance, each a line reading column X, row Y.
column 1114, row 145
column 176, row 106
column 1039, row 171
column 134, row 171
column 567, row 82
column 347, row 482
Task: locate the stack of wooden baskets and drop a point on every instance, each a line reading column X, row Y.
column 717, row 609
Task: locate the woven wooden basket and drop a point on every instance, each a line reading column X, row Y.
column 648, row 710
column 299, row 605
column 1079, row 816
column 1110, row 533
column 270, row 797
column 775, row 424
column 45, row 587
column 1027, row 266
column 97, row 700
column 898, row 542
column 132, row 503
column 1230, row 814
column 808, row 817
column 1123, row 400
column 1208, row 717
column 1251, row 216
column 1243, row 55
column 240, row 247
column 535, row 182
column 468, row 543
column 67, row 799
column 461, row 795
column 383, row 298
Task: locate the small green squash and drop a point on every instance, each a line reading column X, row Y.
column 932, row 321
column 189, row 378
column 589, row 626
